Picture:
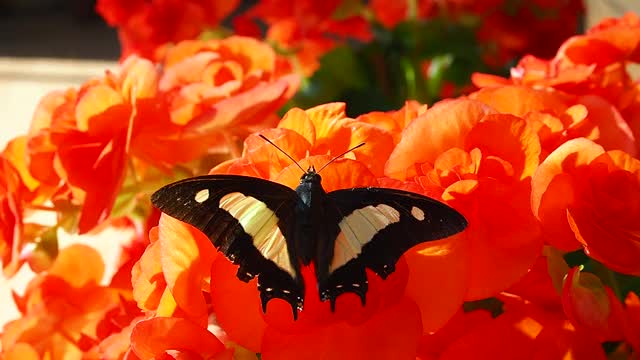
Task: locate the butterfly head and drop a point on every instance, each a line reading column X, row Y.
column 310, row 176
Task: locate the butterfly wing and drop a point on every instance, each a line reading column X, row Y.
column 375, row 227
column 248, row 219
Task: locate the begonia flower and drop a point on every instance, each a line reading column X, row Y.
column 87, row 141
column 487, row 180
column 587, row 197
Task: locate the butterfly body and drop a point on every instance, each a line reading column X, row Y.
column 271, row 231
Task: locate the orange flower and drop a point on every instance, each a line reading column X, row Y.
column 205, row 97
column 487, row 180
column 557, row 116
column 306, row 28
column 394, row 121
column 587, row 197
column 222, row 90
column 322, row 130
column 63, row 310
column 592, row 66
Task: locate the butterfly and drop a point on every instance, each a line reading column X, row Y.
column 270, row 230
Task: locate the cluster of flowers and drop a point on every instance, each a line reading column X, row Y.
column 307, row 29
column 543, row 164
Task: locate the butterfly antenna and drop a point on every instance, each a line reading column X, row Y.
column 339, row 156
column 282, row 151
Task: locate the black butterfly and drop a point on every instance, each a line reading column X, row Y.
column 270, row 230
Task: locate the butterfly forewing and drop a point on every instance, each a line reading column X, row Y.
column 247, row 219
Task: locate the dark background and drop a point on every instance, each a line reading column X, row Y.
column 55, row 28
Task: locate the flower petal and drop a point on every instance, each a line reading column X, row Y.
column 267, row 158
column 237, row 305
column 518, row 144
column 297, row 120
column 94, row 101
column 139, row 78
column 186, row 255
column 147, row 280
column 21, row 351
column 152, row 338
column 79, row 265
column 442, row 268
column 504, row 236
column 331, row 134
column 520, row 100
column 445, row 124
column 613, row 130
column 378, row 145
column 525, row 331
column 616, row 247
column 391, row 333
column 552, row 190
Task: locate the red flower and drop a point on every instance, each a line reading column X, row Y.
column 499, row 30
column 548, row 23
column 522, row 331
column 390, row 13
column 144, row 26
column 10, row 217
column 305, row 28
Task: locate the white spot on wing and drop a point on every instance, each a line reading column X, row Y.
column 202, row 196
column 417, row 213
column 358, row 228
column 261, row 224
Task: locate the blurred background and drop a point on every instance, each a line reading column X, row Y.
column 52, row 44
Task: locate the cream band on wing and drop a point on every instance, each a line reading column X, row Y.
column 358, row 228
column 261, row 224
column 417, row 213
column 202, row 196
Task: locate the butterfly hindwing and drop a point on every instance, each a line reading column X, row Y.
column 247, row 219
column 376, row 226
